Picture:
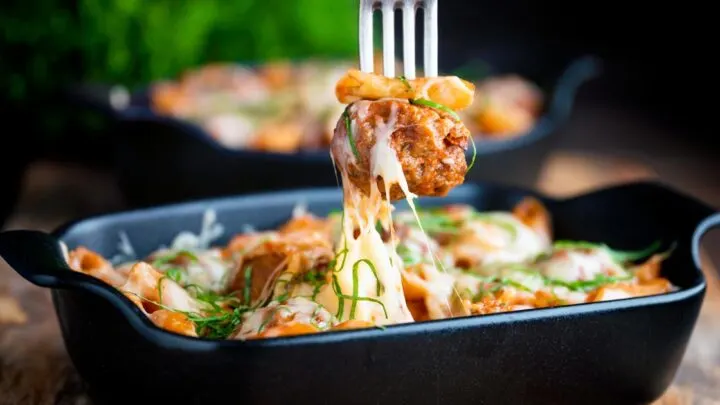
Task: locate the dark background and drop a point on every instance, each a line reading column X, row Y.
column 657, row 55
column 657, row 58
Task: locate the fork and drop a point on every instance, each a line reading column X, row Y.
column 409, row 9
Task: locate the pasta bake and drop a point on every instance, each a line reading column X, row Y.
column 366, row 265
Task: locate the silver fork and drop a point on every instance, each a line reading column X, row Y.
column 409, row 8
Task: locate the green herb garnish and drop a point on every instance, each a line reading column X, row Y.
column 618, row 256
column 159, row 288
column 332, row 265
column 348, row 131
column 428, row 103
column 378, row 227
column 312, row 317
column 163, row 260
column 247, row 287
column 338, row 292
column 355, row 298
column 272, row 315
column 175, row 274
column 315, row 279
column 489, row 218
column 218, row 324
column 474, row 156
column 408, row 257
column 405, row 81
column 210, row 297
column 512, row 283
column 585, row 285
column 437, row 222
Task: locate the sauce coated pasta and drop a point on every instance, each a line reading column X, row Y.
column 367, row 266
column 276, row 283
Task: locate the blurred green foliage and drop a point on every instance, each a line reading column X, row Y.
column 48, row 45
column 135, row 41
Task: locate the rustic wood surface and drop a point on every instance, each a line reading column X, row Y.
column 35, row 369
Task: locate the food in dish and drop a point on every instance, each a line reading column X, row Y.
column 266, row 283
column 388, row 148
column 504, row 106
column 449, row 91
column 275, row 107
column 365, row 267
column 288, row 107
column 429, row 144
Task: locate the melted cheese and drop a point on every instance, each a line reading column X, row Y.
column 293, row 311
column 576, row 266
column 368, row 283
column 496, row 239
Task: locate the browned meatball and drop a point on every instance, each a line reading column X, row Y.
column 430, row 145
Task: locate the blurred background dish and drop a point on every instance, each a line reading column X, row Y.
column 270, row 123
column 274, row 107
column 644, row 117
column 285, row 107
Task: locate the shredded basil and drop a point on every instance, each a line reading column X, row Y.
column 348, row 131
column 247, row 287
column 619, row 256
column 437, row 222
column 428, row 103
column 217, row 324
column 492, row 219
column 355, row 298
column 474, row 156
column 175, row 274
column 163, row 260
column 408, row 257
column 405, row 81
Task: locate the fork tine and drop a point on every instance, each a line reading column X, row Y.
column 388, row 33
column 366, row 35
column 431, row 38
column 409, row 38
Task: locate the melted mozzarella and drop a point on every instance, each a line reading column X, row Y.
column 295, row 310
column 148, row 284
column 382, row 300
column 231, row 130
column 579, row 265
column 498, row 238
column 209, row 272
column 177, row 298
column 609, row 294
column 368, row 283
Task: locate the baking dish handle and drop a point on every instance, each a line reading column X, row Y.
column 713, row 221
column 109, row 100
column 38, row 257
column 41, row 259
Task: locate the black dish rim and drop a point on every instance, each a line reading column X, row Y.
column 163, row 338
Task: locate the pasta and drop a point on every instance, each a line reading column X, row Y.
column 493, row 262
column 367, row 266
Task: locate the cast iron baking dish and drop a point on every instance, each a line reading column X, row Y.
column 161, row 159
column 616, row 352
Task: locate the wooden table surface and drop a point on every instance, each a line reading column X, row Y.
column 35, row 369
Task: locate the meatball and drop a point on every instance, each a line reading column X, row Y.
column 429, row 143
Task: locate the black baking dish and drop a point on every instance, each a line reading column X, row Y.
column 160, row 159
column 617, row 352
